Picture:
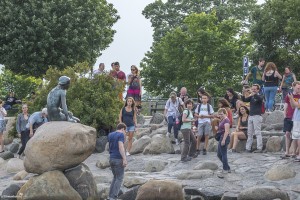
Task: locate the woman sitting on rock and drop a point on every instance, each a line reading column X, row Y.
column 128, row 117
column 241, row 129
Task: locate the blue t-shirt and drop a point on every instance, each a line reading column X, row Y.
column 113, row 140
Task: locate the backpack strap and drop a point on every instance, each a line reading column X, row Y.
column 208, row 108
column 199, row 106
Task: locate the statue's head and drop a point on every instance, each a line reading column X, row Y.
column 64, row 82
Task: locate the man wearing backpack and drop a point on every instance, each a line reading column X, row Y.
column 255, row 118
column 257, row 73
column 204, row 113
column 172, row 114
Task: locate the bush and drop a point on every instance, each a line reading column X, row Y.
column 94, row 101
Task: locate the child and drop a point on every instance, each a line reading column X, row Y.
column 204, row 113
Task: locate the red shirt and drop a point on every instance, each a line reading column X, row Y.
column 290, row 110
column 119, row 75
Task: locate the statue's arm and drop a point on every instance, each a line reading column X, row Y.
column 64, row 104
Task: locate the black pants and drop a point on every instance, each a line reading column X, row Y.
column 24, row 139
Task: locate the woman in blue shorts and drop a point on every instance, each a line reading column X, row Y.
column 128, row 117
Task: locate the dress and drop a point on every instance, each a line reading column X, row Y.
column 134, row 88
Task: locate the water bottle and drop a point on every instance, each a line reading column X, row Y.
column 177, row 121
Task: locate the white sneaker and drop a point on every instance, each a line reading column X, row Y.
column 127, row 153
column 176, row 141
column 168, row 134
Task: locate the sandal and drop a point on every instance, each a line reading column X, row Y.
column 297, row 160
column 285, row 156
column 2, row 151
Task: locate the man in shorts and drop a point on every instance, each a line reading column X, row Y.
column 204, row 112
column 288, row 122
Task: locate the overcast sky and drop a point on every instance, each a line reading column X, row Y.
column 133, row 37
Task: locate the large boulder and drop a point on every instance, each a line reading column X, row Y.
column 48, row 186
column 160, row 190
column 280, row 172
column 157, row 118
column 140, row 132
column 131, row 181
column 263, row 192
column 130, row 194
column 59, row 146
column 273, row 144
column 82, row 180
column 159, row 144
column 155, row 165
column 139, row 145
column 212, row 145
column 275, row 117
column 14, row 165
column 100, row 144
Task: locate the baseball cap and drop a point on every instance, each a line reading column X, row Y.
column 45, row 111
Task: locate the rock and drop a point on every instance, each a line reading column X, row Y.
column 241, row 146
column 20, row 175
column 262, row 192
column 278, row 126
column 160, row 190
column 159, row 144
column 103, row 162
column 130, row 194
column 10, row 192
column 14, row 147
column 140, row 119
column 48, row 186
column 195, row 174
column 280, row 172
column 139, row 145
column 154, row 127
column 81, row 179
column 131, row 181
column 140, row 132
column 206, row 165
column 6, row 155
column 273, row 144
column 204, row 193
column 162, row 130
column 230, row 196
column 212, row 145
column 157, row 118
column 103, row 190
column 14, row 165
column 100, row 144
column 59, row 146
column 102, row 178
column 155, row 165
column 2, row 163
column 275, row 117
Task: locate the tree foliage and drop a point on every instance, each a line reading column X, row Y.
column 37, row 34
column 277, row 34
column 94, row 101
column 207, row 52
column 167, row 16
column 21, row 85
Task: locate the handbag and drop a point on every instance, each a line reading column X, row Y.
column 296, row 130
column 218, row 136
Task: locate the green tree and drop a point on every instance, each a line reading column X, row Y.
column 205, row 53
column 167, row 16
column 37, row 34
column 94, row 101
column 276, row 33
column 21, row 85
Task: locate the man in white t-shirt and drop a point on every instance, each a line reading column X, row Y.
column 204, row 115
column 172, row 114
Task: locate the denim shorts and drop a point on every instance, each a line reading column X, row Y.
column 130, row 129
